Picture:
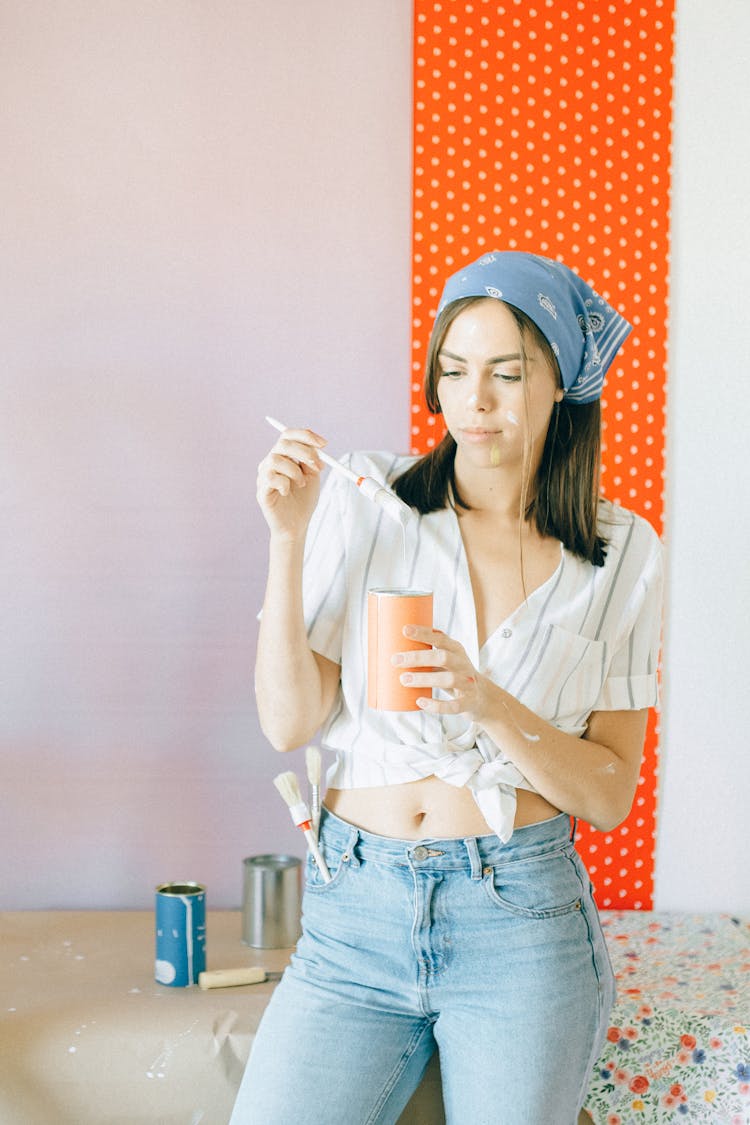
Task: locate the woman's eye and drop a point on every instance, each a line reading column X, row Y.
column 451, row 374
column 508, row 376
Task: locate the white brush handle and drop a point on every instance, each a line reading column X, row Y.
column 301, row 816
column 312, row 844
column 325, row 457
column 379, row 493
column 315, row 807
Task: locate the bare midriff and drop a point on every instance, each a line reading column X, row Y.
column 426, row 809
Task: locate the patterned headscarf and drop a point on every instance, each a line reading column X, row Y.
column 583, row 330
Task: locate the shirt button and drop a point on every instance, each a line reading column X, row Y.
column 507, row 633
column 421, row 852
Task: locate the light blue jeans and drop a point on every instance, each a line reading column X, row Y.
column 490, row 953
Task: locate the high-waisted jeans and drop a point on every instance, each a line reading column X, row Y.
column 490, row 953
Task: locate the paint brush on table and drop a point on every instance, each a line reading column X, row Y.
column 230, row 978
column 313, row 763
column 288, row 785
column 391, row 504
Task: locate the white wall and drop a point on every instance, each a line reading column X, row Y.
column 703, row 837
column 205, row 218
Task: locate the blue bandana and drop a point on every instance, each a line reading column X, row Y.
column 584, row 332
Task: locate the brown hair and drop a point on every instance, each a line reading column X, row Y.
column 563, row 500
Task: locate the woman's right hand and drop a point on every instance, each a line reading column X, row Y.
column 289, row 482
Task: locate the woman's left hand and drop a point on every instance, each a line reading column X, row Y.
column 446, row 666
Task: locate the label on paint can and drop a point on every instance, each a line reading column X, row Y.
column 180, row 933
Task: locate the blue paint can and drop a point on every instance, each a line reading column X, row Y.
column 180, row 933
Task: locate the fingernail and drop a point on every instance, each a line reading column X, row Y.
column 406, row 677
column 409, row 630
column 397, row 658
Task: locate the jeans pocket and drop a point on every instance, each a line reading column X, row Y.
column 545, row 886
column 338, row 863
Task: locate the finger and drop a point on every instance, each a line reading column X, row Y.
column 280, row 481
column 307, row 437
column 420, row 658
column 277, row 463
column 444, row 680
column 274, row 483
column 440, row 706
column 303, row 453
column 430, row 636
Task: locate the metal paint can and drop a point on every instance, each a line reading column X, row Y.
column 387, row 613
column 180, row 933
column 271, row 901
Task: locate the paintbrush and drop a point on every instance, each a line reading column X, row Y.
column 391, row 504
column 312, row 761
column 229, row 978
column 288, row 786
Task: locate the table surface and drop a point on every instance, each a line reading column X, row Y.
column 87, row 1035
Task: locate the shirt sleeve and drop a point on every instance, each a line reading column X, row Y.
column 631, row 683
column 324, row 586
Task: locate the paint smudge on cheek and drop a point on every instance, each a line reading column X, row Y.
column 529, row 737
column 495, row 455
column 512, row 418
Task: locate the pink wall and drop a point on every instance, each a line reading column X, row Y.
column 199, row 206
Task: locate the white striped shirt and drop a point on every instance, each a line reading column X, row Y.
column 586, row 640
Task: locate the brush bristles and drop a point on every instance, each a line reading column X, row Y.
column 394, row 506
column 288, row 786
column 312, row 760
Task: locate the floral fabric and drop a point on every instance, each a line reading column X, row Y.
column 678, row 1046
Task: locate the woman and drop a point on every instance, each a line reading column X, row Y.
column 459, row 916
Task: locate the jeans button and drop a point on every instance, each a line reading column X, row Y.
column 420, row 852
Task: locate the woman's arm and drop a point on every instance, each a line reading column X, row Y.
column 295, row 687
column 593, row 777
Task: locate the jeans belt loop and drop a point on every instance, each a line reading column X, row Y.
column 351, row 848
column 475, row 859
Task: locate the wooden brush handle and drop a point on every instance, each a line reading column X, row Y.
column 226, row 978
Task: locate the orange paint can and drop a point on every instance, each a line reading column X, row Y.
column 388, row 610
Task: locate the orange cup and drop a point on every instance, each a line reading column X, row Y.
column 387, row 613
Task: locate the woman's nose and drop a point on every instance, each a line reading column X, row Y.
column 479, row 398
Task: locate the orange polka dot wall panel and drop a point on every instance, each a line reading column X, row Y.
column 545, row 125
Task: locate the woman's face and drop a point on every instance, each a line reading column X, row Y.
column 480, row 389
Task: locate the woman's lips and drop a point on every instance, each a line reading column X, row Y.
column 475, row 435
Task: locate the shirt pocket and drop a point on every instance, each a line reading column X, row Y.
column 567, row 679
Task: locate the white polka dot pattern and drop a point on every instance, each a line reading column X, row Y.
column 545, row 125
